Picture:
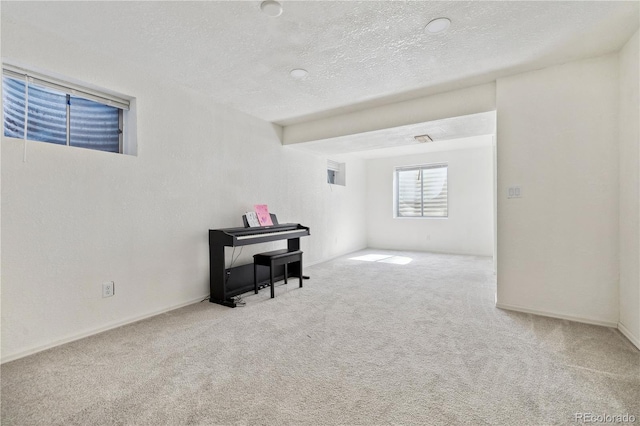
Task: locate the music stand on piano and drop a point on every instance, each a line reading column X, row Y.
column 274, row 219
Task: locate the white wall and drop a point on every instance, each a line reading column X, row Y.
column 73, row 218
column 558, row 138
column 469, row 227
column 630, row 191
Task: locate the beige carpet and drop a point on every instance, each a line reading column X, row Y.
column 363, row 343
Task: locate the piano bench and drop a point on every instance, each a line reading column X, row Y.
column 273, row 259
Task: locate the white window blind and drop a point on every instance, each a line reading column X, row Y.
column 65, row 87
column 333, row 165
column 421, row 191
column 45, row 109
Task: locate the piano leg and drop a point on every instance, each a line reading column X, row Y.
column 271, row 279
column 293, row 244
column 300, row 275
column 218, row 277
column 255, row 278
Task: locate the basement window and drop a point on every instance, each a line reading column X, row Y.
column 40, row 108
column 336, row 173
column 421, row 191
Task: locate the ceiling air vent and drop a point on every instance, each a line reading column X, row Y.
column 423, row 138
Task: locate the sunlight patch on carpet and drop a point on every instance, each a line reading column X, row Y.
column 384, row 258
column 397, row 260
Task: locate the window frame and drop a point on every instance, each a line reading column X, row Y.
column 396, row 195
column 65, row 87
column 336, row 173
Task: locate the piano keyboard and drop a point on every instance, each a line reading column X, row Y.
column 266, row 234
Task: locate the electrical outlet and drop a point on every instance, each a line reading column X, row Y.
column 108, row 289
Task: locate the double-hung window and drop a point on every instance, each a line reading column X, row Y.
column 421, row 191
column 44, row 109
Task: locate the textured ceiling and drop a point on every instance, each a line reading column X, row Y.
column 357, row 53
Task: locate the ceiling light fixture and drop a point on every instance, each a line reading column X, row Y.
column 438, row 25
column 298, row 73
column 271, row 8
column 423, row 138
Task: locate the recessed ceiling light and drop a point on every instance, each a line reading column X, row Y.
column 271, row 8
column 438, row 25
column 298, row 73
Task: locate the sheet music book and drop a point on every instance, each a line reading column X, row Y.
column 252, row 219
column 262, row 211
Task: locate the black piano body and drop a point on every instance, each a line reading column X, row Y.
column 225, row 283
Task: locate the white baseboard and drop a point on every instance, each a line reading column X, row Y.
column 625, row 331
column 557, row 315
column 98, row 330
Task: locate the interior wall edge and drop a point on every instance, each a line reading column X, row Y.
column 92, row 332
column 629, row 335
column 333, row 257
column 558, row 315
column 448, row 252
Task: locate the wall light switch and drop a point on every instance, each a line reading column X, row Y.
column 514, row 192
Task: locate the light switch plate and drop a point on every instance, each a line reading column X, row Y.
column 514, row 192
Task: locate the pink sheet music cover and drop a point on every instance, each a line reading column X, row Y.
column 263, row 215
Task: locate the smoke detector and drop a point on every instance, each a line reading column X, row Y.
column 271, row 8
